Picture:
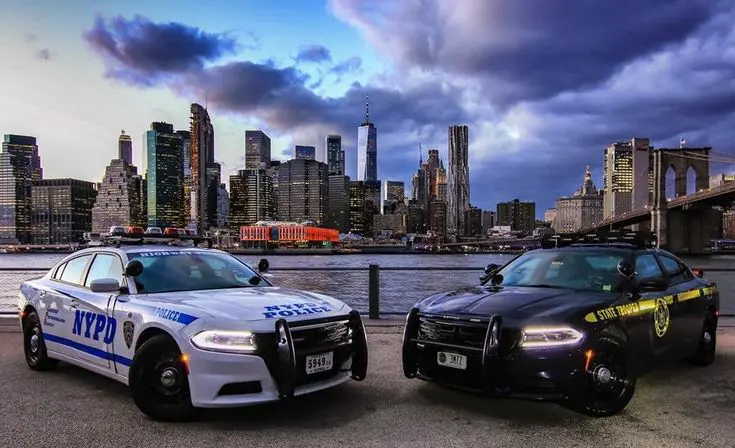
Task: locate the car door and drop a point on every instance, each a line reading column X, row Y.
column 690, row 305
column 53, row 312
column 652, row 326
column 80, row 314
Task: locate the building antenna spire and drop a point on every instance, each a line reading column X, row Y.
column 367, row 109
column 421, row 156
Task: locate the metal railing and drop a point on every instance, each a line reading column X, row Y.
column 373, row 290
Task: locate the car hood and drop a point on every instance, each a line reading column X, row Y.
column 248, row 304
column 514, row 301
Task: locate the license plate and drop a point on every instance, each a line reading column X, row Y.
column 452, row 360
column 319, row 363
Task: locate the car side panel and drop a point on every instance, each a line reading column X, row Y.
column 134, row 315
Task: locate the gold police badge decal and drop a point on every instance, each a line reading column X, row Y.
column 661, row 317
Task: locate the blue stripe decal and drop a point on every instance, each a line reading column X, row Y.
column 88, row 350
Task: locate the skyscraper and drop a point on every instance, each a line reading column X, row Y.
column 165, row 174
column 20, row 165
column 303, row 191
column 367, row 149
column 257, row 150
column 202, row 155
column 520, row 216
column 186, row 159
column 458, row 178
column 125, row 148
column 61, row 210
column 120, row 198
column 334, row 155
column 304, row 152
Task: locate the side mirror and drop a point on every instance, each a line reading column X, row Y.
column 698, row 272
column 106, row 285
column 254, row 280
column 134, row 268
column 263, row 265
column 492, row 267
column 626, row 269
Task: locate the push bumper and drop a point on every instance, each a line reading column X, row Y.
column 228, row 380
column 535, row 374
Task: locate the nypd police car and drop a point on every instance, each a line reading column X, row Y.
column 188, row 328
column 577, row 322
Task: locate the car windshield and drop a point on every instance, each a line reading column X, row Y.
column 173, row 271
column 583, row 270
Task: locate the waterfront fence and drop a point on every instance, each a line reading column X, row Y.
column 372, row 290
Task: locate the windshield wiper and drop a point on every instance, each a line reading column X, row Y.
column 544, row 285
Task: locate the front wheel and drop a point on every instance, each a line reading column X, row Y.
column 607, row 384
column 34, row 345
column 159, row 381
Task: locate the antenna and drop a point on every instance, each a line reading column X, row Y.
column 421, row 155
column 367, row 109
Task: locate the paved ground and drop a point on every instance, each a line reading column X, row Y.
column 679, row 407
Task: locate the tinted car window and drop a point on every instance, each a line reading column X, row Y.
column 586, row 270
column 74, row 270
column 105, row 266
column 647, row 267
column 170, row 271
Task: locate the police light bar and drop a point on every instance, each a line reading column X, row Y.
column 171, row 240
column 618, row 237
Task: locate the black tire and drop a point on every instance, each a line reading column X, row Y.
column 705, row 354
column 34, row 345
column 607, row 385
column 157, row 357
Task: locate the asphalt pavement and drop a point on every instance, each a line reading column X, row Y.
column 680, row 406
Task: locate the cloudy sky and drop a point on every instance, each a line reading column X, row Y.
column 543, row 85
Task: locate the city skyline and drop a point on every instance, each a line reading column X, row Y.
column 657, row 81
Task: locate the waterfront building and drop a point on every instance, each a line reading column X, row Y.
column 290, row 234
column 728, row 225
column 582, row 210
column 20, row 165
column 125, row 148
column 367, row 149
column 519, row 216
column 61, row 210
column 305, row 152
column 334, row 155
column 251, row 198
column 338, row 206
column 204, row 170
column 119, row 199
column 415, row 220
column 364, row 205
column 186, row 158
column 165, row 176
column 393, row 195
column 303, row 191
column 458, row 179
column 223, row 206
column 257, row 150
column 489, row 219
column 389, row 224
column 625, row 169
column 549, row 215
column 472, row 222
column 437, row 219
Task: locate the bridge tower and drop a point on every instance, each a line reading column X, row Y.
column 680, row 160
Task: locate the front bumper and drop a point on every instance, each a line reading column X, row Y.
column 499, row 369
column 277, row 371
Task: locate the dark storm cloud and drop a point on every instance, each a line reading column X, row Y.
column 525, row 49
column 313, row 53
column 583, row 78
column 138, row 49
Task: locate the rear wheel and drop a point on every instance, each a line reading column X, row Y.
column 607, row 385
column 34, row 345
column 159, row 381
column 705, row 354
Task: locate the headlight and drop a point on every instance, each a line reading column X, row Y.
column 225, row 341
column 549, row 337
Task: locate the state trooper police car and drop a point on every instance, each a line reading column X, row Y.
column 187, row 328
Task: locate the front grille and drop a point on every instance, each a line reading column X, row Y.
column 310, row 337
column 462, row 333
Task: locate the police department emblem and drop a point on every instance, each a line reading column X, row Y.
column 661, row 317
column 128, row 331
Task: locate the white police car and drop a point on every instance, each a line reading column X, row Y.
column 188, row 328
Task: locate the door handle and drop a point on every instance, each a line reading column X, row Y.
column 74, row 303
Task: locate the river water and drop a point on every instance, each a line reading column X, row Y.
column 399, row 290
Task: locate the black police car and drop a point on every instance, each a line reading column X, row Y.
column 576, row 323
